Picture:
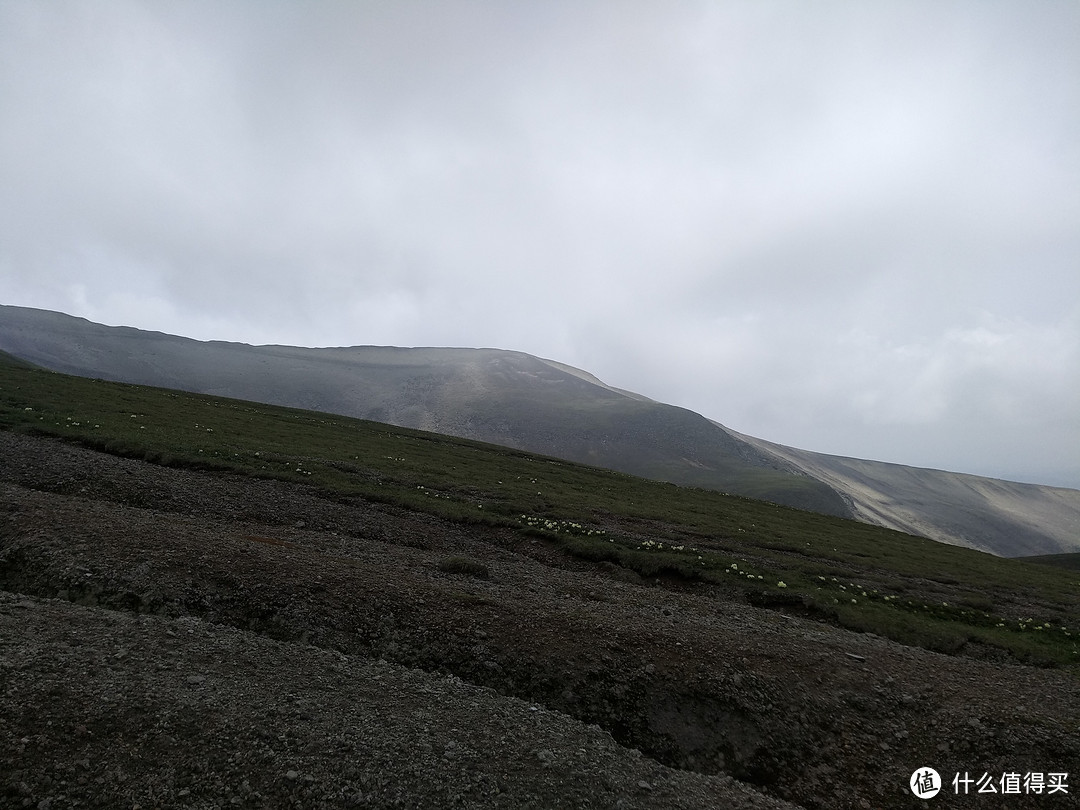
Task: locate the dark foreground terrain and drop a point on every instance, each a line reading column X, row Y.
column 174, row 638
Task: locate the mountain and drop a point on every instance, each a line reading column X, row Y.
column 504, row 397
column 1004, row 517
column 542, row 406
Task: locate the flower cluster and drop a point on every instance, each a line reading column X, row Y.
column 1026, row 624
column 559, row 526
column 854, row 587
column 71, row 422
column 433, row 494
column 734, row 569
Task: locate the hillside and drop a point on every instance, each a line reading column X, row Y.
column 269, row 607
column 492, row 395
column 1003, row 517
column 542, row 406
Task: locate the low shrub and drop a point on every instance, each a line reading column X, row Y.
column 465, row 566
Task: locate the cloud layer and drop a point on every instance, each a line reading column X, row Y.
column 853, row 229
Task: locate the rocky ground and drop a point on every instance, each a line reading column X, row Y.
column 171, row 638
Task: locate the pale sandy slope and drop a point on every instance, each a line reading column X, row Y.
column 965, row 510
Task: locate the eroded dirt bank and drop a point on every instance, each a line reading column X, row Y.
column 173, row 638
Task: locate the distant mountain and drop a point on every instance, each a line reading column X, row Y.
column 1004, row 517
column 518, row 400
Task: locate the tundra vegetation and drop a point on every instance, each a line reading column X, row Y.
column 860, row 577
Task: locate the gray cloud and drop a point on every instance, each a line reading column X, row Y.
column 853, row 229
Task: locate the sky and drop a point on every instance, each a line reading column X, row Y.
column 847, row 227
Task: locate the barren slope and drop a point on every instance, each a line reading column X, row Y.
column 178, row 638
column 1003, row 517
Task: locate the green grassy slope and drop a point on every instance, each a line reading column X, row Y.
column 1069, row 561
column 859, row 576
column 12, row 360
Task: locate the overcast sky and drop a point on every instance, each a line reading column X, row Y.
column 847, row 227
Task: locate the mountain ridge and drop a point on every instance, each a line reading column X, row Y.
column 529, row 403
column 882, row 493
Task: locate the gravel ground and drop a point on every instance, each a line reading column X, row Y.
column 110, row 709
column 173, row 638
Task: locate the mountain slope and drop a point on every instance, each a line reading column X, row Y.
column 1004, row 517
column 194, row 634
column 543, row 406
column 503, row 397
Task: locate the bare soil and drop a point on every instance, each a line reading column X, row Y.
column 172, row 638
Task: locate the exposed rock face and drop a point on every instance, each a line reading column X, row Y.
column 182, row 639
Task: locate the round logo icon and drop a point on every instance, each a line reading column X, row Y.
column 925, row 783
